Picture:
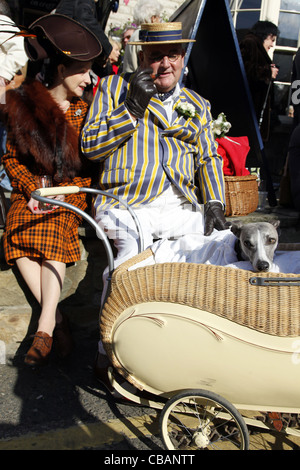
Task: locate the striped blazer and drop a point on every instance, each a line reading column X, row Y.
column 141, row 161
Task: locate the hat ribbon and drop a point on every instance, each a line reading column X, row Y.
column 153, row 36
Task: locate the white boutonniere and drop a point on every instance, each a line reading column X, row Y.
column 220, row 126
column 186, row 109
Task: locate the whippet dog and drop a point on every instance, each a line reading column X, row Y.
column 256, row 242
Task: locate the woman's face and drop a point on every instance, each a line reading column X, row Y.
column 115, row 54
column 76, row 77
column 269, row 42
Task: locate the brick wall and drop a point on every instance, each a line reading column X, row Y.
column 125, row 12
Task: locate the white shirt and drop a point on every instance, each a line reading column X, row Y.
column 12, row 52
column 169, row 102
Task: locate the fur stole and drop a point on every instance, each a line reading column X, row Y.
column 45, row 141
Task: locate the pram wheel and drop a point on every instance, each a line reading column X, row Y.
column 202, row 420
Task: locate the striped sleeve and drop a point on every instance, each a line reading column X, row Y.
column 209, row 162
column 108, row 123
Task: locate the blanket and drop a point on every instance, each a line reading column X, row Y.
column 217, row 249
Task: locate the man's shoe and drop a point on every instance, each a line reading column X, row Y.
column 38, row 354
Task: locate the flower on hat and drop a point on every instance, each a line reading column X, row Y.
column 220, row 126
column 186, row 109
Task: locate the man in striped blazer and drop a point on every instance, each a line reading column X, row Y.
column 155, row 142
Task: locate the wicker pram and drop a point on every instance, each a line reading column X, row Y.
column 203, row 340
column 223, row 291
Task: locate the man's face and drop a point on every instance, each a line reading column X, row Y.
column 166, row 61
column 126, row 36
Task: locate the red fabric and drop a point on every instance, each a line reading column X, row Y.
column 115, row 70
column 234, row 151
column 96, row 86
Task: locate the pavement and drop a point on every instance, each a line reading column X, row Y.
column 63, row 407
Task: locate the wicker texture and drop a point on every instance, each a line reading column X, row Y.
column 241, row 195
column 222, row 291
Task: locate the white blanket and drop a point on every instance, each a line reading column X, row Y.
column 217, row 249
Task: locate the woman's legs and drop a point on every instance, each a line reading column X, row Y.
column 45, row 280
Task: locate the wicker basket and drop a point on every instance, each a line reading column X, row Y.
column 241, row 195
column 272, row 310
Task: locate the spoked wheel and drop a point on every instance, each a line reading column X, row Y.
column 202, row 420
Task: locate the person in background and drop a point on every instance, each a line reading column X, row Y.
column 12, row 54
column 13, row 61
column 294, row 167
column 112, row 65
column 145, row 11
column 127, row 33
column 260, row 70
column 155, row 142
column 114, row 56
column 84, row 11
column 44, row 121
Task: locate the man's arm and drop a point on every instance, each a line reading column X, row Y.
column 12, row 54
column 108, row 123
column 210, row 163
column 211, row 176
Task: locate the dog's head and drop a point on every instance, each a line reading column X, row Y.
column 257, row 242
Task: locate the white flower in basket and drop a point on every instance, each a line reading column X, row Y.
column 186, row 109
column 220, row 126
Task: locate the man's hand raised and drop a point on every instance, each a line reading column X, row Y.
column 141, row 90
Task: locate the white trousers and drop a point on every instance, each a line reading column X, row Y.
column 169, row 216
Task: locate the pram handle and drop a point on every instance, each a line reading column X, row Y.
column 39, row 195
column 57, row 190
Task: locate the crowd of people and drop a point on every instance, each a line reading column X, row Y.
column 151, row 154
column 147, row 138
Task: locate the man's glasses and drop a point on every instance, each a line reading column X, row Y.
column 171, row 58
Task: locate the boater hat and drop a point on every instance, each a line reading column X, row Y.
column 160, row 33
column 63, row 34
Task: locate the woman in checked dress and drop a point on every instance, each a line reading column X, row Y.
column 44, row 120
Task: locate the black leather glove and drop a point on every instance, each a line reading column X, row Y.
column 141, row 90
column 214, row 217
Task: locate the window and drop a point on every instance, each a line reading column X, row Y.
column 245, row 13
column 286, row 47
column 289, row 23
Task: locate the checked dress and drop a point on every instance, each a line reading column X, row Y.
column 52, row 235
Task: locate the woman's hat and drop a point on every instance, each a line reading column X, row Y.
column 63, row 34
column 160, row 33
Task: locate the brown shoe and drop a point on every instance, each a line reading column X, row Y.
column 62, row 338
column 38, row 354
